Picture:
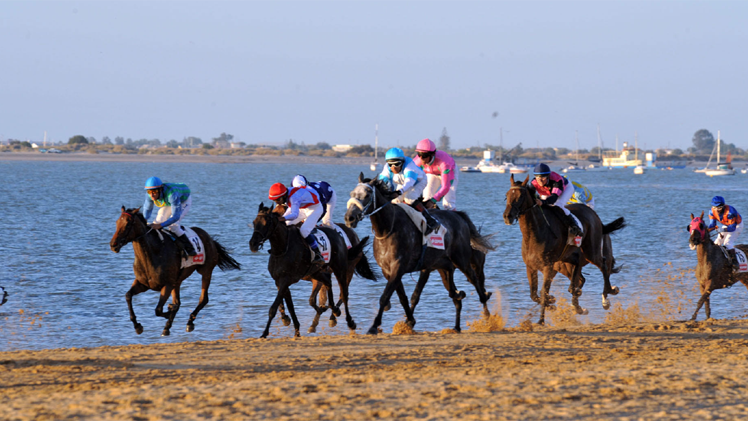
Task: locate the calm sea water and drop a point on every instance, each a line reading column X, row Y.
column 67, row 289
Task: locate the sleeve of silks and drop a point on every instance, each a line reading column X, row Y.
column 446, row 182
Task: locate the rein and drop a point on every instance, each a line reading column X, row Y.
column 373, row 201
column 269, row 233
column 128, row 228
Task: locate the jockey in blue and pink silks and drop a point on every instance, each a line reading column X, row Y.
column 303, row 205
column 408, row 180
column 441, row 174
column 553, row 190
column 730, row 228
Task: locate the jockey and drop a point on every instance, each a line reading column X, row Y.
column 440, row 172
column 325, row 193
column 406, row 178
column 554, row 190
column 303, row 205
column 732, row 225
column 582, row 196
column 174, row 203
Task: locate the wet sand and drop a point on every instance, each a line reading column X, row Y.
column 673, row 370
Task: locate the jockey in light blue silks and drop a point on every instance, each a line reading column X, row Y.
column 730, row 228
column 303, row 205
column 174, row 203
column 407, row 179
column 325, row 193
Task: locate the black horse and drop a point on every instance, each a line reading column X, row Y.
column 398, row 248
column 291, row 260
column 157, row 266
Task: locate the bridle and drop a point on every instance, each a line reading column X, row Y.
column 269, row 232
column 130, row 218
column 364, row 208
column 697, row 225
column 515, row 205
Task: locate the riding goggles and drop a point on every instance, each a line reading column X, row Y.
column 395, row 163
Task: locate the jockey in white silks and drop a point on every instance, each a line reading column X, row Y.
column 406, row 178
column 303, row 205
column 325, row 193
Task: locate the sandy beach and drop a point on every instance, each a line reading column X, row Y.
column 674, row 370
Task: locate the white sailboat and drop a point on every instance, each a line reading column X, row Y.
column 575, row 166
column 639, row 169
column 375, row 165
column 722, row 168
column 706, row 168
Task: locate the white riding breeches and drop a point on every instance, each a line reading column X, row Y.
column 412, row 194
column 165, row 212
column 310, row 216
column 563, row 199
column 728, row 239
column 449, row 201
column 327, row 219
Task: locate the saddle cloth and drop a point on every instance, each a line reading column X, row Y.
column 323, row 242
column 742, row 261
column 197, row 243
column 433, row 240
column 342, row 234
column 576, row 240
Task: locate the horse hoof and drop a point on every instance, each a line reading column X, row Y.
column 606, row 306
column 615, row 291
column 458, row 329
column 352, row 325
column 286, row 321
column 336, row 311
column 297, row 334
column 311, row 329
column 461, row 295
column 488, row 295
column 372, row 331
column 165, row 332
column 333, row 323
column 264, row 335
column 190, row 327
column 583, row 311
column 138, row 329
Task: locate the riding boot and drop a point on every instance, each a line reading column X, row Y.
column 573, row 227
column 312, row 241
column 432, row 224
column 186, row 244
column 733, row 259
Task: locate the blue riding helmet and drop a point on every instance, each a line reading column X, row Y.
column 718, row 201
column 394, row 154
column 153, row 183
column 542, row 169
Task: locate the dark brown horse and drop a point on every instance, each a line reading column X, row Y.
column 398, row 248
column 157, row 266
column 714, row 269
column 291, row 260
column 545, row 247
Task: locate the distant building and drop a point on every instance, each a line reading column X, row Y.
column 342, row 148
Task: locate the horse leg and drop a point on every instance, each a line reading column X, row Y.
column 704, row 299
column 282, row 310
column 316, row 286
column 165, row 293
column 343, row 285
column 544, row 294
column 474, row 274
column 173, row 309
column 577, row 281
column 532, row 277
column 384, row 301
column 416, row 296
column 203, row 301
column 135, row 289
column 289, row 304
column 456, row 296
column 274, row 308
column 400, row 288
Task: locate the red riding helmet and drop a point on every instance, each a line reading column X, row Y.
column 277, row 190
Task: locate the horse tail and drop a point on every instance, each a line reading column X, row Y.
column 225, row 261
column 614, row 226
column 479, row 242
column 363, row 269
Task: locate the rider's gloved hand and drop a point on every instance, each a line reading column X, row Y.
column 399, row 192
column 724, row 228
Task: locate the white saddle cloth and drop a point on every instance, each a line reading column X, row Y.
column 197, row 243
column 433, row 240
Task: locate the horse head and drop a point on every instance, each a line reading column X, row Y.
column 125, row 232
column 518, row 200
column 263, row 225
column 361, row 198
column 698, row 231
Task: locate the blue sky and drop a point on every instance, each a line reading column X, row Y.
column 315, row 72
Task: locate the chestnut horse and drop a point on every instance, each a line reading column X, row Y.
column 158, row 266
column 398, row 248
column 291, row 260
column 545, row 247
column 713, row 269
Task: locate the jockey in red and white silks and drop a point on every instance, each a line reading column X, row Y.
column 325, row 193
column 303, row 205
column 441, row 174
column 727, row 221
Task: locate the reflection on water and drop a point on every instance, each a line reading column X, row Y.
column 67, row 289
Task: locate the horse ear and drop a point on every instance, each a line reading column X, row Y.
column 524, row 183
column 511, row 180
column 361, row 177
column 123, row 209
column 692, row 217
column 136, row 210
column 702, row 215
column 262, row 205
column 271, row 208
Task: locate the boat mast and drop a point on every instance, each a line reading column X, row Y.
column 501, row 144
column 576, row 151
column 717, row 148
column 376, row 142
column 599, row 144
column 636, row 147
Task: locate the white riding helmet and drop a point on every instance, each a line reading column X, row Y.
column 299, row 181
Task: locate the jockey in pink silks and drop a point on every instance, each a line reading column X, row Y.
column 441, row 174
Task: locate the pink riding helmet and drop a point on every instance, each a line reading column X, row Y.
column 426, row 145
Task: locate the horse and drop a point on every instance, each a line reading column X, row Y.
column 398, row 248
column 545, row 245
column 291, row 260
column 714, row 269
column 157, row 266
